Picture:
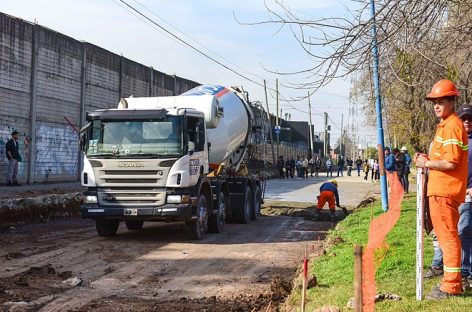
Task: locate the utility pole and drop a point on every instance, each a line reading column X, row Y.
column 270, row 124
column 325, row 136
column 378, row 108
column 310, row 154
column 277, row 112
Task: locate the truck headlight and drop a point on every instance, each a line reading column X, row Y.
column 174, row 199
column 90, row 199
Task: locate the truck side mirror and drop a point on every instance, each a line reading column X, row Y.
column 82, row 141
column 197, row 130
column 84, row 137
column 191, row 146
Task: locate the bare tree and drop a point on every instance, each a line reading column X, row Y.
column 420, row 41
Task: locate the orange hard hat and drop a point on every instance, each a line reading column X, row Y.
column 443, row 88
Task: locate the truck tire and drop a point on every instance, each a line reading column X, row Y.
column 134, row 225
column 197, row 228
column 243, row 214
column 217, row 220
column 106, row 228
column 256, row 211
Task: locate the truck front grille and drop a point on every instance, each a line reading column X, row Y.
column 131, row 198
column 131, row 178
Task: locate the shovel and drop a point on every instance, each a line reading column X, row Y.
column 346, row 212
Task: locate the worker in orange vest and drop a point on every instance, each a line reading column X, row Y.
column 447, row 165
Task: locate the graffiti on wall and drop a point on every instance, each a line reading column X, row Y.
column 57, row 150
column 24, row 140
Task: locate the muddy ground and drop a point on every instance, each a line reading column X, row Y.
column 62, row 265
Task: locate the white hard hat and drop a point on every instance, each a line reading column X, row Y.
column 404, row 148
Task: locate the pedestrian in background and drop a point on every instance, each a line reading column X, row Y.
column 12, row 150
column 288, row 168
column 340, row 165
column 359, row 166
column 317, row 165
column 280, row 167
column 389, row 160
column 299, row 166
column 311, row 164
column 305, row 167
column 406, row 183
column 376, row 167
column 349, row 163
column 447, row 183
column 366, row 169
column 329, row 167
column 292, row 167
column 399, row 164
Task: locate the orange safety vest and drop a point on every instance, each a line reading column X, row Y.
column 450, row 144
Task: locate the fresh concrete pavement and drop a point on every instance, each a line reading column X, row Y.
column 352, row 189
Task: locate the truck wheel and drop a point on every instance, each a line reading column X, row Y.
column 134, row 225
column 107, row 228
column 197, row 228
column 257, row 203
column 217, row 221
column 244, row 213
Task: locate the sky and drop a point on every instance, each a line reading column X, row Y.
column 215, row 27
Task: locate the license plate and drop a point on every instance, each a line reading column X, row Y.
column 130, row 212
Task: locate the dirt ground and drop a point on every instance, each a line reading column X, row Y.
column 62, row 265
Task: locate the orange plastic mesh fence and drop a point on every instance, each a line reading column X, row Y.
column 379, row 228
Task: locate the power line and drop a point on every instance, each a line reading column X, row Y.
column 144, row 18
column 188, row 44
column 200, row 44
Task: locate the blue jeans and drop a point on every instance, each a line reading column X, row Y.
column 329, row 171
column 438, row 256
column 465, row 233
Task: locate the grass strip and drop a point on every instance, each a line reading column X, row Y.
column 395, row 264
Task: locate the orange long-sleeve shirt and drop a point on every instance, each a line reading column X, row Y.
column 451, row 144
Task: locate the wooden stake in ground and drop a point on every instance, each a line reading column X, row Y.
column 305, row 279
column 358, row 278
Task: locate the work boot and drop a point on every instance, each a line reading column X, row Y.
column 466, row 284
column 433, row 272
column 437, row 294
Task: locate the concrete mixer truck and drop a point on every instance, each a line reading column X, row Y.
column 175, row 158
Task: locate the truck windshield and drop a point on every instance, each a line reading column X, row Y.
column 135, row 139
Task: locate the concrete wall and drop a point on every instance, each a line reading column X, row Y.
column 47, row 83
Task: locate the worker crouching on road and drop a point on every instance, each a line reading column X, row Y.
column 328, row 193
column 447, row 164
